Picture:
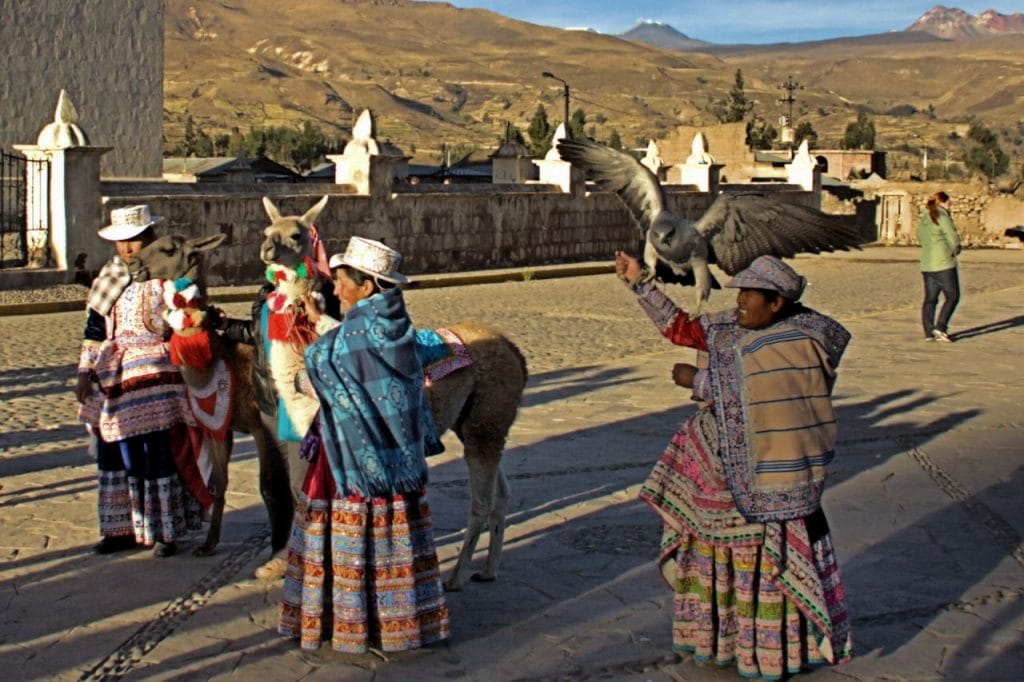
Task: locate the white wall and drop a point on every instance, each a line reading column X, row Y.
column 108, row 55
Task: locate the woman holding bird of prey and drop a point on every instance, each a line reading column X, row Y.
column 746, row 547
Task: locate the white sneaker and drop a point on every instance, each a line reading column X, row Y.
column 941, row 336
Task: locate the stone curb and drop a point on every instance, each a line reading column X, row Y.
column 242, row 294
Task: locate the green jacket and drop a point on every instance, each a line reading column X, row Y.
column 940, row 244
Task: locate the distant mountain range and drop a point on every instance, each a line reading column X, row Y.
column 956, row 24
column 438, row 75
column 950, row 23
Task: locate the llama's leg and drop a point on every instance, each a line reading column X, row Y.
column 496, row 526
column 482, row 477
column 220, row 453
column 275, row 487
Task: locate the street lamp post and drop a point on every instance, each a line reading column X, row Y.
column 548, row 74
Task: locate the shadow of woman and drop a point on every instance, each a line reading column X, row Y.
column 990, row 328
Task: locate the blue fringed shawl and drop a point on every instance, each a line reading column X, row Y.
column 370, row 383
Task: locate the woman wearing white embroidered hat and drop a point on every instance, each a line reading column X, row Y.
column 133, row 399
column 365, row 489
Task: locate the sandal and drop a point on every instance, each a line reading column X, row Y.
column 272, row 570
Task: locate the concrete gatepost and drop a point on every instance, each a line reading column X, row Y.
column 361, row 164
column 804, row 170
column 699, row 169
column 72, row 182
column 555, row 171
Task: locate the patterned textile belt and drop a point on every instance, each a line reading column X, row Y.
column 137, row 341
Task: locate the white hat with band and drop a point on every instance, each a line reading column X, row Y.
column 129, row 222
column 371, row 257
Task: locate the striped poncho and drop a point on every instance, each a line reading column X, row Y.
column 771, row 391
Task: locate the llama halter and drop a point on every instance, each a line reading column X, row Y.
column 185, row 314
column 183, row 300
column 287, row 319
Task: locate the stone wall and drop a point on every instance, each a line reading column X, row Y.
column 980, row 214
column 436, row 231
column 107, row 54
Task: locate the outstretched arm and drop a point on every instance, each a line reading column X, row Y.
column 673, row 322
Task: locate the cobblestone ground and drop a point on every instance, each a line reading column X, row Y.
column 559, row 551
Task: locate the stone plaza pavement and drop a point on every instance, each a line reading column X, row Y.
column 924, row 501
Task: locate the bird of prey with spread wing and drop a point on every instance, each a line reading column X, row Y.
column 736, row 228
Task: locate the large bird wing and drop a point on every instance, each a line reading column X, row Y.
column 621, row 173
column 741, row 227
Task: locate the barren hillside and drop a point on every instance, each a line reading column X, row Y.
column 436, row 74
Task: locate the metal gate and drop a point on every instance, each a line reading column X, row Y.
column 24, row 212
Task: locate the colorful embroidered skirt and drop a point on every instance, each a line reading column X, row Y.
column 766, row 597
column 140, row 492
column 361, row 573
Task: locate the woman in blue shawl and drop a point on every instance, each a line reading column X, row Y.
column 362, row 525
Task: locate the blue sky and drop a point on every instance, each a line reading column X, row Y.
column 732, row 21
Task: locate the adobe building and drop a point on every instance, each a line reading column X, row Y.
column 108, row 56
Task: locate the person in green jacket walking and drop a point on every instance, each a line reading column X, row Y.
column 940, row 245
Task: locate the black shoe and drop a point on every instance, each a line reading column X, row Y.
column 114, row 544
column 165, row 549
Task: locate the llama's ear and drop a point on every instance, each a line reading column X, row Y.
column 272, row 211
column 311, row 215
column 210, row 241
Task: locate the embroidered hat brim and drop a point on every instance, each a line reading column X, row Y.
column 372, row 258
column 124, row 232
column 338, row 259
column 771, row 274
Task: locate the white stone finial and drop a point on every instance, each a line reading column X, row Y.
column 65, row 109
column 64, row 131
column 553, row 154
column 803, row 158
column 803, row 170
column 804, row 151
column 699, row 151
column 652, row 157
column 364, row 136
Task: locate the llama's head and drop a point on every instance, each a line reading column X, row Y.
column 173, row 256
column 287, row 240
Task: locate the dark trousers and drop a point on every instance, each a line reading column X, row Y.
column 946, row 282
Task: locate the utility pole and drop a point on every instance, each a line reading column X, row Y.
column 790, row 86
column 788, row 134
